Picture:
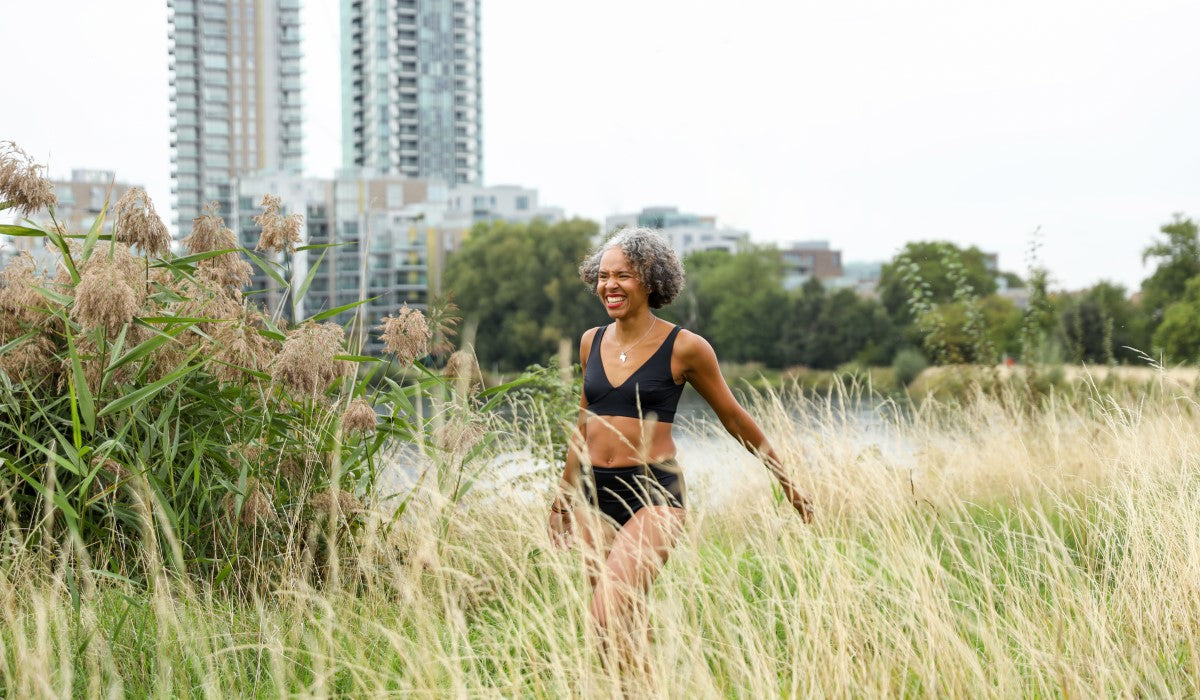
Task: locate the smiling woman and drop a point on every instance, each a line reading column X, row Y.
column 622, row 492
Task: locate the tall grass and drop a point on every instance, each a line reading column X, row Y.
column 1007, row 551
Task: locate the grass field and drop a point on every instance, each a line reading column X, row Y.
column 1048, row 552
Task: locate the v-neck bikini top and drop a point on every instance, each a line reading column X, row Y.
column 650, row 389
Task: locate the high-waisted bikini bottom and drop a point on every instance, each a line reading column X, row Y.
column 619, row 492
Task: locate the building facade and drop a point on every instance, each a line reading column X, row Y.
column 235, row 97
column 411, row 90
column 471, row 204
column 391, row 234
column 687, row 233
column 806, row 260
column 385, row 231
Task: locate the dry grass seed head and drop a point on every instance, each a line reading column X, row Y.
column 279, row 232
column 140, row 225
column 257, row 506
column 306, row 363
column 324, row 504
column 21, row 181
column 104, row 299
column 406, row 335
column 31, row 361
column 209, row 233
column 19, row 297
column 463, row 365
column 457, row 435
column 359, row 417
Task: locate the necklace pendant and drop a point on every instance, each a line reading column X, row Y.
column 622, row 356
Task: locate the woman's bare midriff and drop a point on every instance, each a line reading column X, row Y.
column 618, row 441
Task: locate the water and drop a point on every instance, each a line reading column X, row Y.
column 717, row 469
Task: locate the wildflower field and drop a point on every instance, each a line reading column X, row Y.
column 200, row 499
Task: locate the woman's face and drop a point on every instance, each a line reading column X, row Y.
column 618, row 285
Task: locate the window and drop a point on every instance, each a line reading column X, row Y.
column 522, row 203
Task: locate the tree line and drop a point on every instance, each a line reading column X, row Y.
column 518, row 282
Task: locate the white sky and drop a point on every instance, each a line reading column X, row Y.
column 866, row 123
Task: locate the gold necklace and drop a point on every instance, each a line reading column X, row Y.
column 622, row 354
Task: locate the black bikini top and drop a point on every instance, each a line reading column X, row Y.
column 650, row 389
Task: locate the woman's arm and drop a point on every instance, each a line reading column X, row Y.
column 704, row 373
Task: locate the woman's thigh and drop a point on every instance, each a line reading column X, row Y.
column 643, row 546
column 596, row 535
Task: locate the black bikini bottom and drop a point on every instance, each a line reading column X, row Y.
column 619, row 492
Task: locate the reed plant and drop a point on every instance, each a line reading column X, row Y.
column 144, row 396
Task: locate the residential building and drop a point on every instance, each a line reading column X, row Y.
column 235, row 97
column 411, row 90
column 862, row 277
column 687, row 233
column 805, row 260
column 471, row 204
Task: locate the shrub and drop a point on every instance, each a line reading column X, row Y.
column 907, row 364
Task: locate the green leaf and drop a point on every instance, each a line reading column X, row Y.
column 312, row 272
column 14, row 230
column 6, row 205
column 357, row 358
column 322, row 246
column 146, row 391
column 146, row 347
column 195, row 257
column 267, row 268
column 94, row 232
column 329, row 313
column 79, row 388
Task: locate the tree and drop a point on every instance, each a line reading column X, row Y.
column 932, row 260
column 736, row 301
column 520, row 282
column 1099, row 325
column 1179, row 333
column 1178, row 260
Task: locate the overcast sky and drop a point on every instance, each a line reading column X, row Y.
column 867, row 124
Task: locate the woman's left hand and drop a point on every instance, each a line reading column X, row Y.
column 801, row 501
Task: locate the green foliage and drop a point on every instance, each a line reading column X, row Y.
column 1177, row 259
column 189, row 416
column 824, row 330
column 1100, row 325
column 944, row 269
column 1179, row 333
column 519, row 281
column 907, row 364
column 734, row 300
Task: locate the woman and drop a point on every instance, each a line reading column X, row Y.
column 621, row 492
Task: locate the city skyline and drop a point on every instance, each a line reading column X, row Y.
column 862, row 124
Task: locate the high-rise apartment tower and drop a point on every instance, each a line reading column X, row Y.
column 411, row 88
column 235, row 97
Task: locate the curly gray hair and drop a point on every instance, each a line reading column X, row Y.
column 652, row 257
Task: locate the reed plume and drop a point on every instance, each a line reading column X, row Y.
column 138, row 224
column 21, row 182
column 359, row 417
column 306, row 363
column 406, row 335
column 209, row 233
column 279, row 232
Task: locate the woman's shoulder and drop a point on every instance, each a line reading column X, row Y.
column 585, row 343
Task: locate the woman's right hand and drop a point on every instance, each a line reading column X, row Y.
column 561, row 529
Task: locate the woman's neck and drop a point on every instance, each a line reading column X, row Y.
column 627, row 330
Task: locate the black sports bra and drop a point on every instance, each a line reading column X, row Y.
column 650, row 389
